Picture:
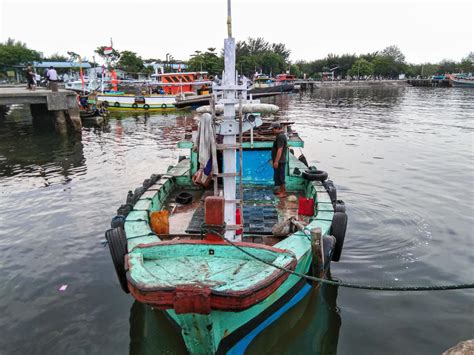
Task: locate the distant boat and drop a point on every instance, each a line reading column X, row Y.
column 287, row 79
column 467, row 82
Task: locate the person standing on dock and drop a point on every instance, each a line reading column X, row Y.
column 30, row 78
column 52, row 77
column 279, row 159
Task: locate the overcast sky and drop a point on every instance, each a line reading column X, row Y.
column 424, row 30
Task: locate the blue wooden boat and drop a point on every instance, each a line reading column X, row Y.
column 178, row 247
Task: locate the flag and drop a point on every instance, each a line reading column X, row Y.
column 108, row 50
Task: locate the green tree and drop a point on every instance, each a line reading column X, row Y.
column 295, row 70
column 130, row 62
column 208, row 61
column 382, row 65
column 467, row 64
column 361, row 67
column 15, row 53
column 55, row 57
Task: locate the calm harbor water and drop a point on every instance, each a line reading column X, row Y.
column 401, row 158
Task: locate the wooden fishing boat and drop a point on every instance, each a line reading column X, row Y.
column 467, row 82
column 161, row 95
column 221, row 297
column 212, row 262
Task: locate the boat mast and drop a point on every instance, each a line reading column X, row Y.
column 229, row 100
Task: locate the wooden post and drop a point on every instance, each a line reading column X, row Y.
column 317, row 252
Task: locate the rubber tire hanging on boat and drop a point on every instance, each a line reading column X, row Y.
column 118, row 249
column 116, row 104
column 338, row 230
column 117, row 221
column 146, row 107
column 134, row 105
column 154, row 178
column 163, row 106
column 315, row 175
column 331, row 190
column 340, row 206
column 125, row 209
column 184, row 198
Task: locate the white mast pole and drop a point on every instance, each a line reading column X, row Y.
column 229, row 116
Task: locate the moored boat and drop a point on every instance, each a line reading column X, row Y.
column 467, row 82
column 225, row 262
column 288, row 79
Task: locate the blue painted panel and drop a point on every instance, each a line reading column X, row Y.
column 257, row 166
column 242, row 345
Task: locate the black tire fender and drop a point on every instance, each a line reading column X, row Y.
column 134, row 105
column 117, row 242
column 117, row 221
column 315, row 175
column 163, row 106
column 338, row 230
column 146, row 106
column 116, row 104
column 340, row 206
column 184, row 198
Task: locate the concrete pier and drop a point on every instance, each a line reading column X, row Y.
column 46, row 106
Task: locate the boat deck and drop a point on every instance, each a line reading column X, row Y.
column 262, row 210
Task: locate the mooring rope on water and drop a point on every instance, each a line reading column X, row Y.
column 340, row 283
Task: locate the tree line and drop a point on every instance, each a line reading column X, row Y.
column 258, row 55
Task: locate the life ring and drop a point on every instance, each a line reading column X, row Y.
column 315, row 175
column 134, row 105
column 338, row 230
column 184, row 198
column 116, row 104
column 106, row 104
column 146, row 106
column 117, row 242
column 163, row 106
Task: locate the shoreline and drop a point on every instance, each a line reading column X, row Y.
column 359, row 84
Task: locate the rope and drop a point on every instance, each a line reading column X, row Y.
column 340, row 283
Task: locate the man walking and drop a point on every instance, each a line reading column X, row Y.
column 279, row 152
column 52, row 76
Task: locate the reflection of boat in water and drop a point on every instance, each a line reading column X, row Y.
column 313, row 323
column 185, row 250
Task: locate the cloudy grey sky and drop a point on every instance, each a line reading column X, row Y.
column 425, row 30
